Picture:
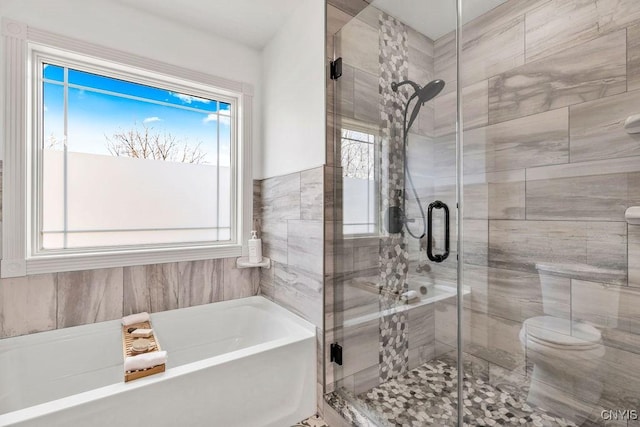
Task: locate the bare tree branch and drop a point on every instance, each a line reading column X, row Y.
column 146, row 143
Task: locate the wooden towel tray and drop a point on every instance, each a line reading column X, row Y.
column 127, row 341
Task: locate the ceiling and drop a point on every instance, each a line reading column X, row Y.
column 434, row 18
column 250, row 22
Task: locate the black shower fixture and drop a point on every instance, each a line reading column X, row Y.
column 396, row 216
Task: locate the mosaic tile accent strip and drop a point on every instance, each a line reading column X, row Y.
column 314, row 421
column 427, row 395
column 394, row 257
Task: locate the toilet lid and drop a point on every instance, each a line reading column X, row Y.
column 561, row 332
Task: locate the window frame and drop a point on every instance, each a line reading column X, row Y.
column 28, row 49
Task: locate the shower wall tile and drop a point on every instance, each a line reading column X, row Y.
column 311, row 195
column 547, row 29
column 422, row 43
column 593, row 70
column 496, row 195
column 150, row 288
column 89, row 296
column 362, row 350
column 615, row 14
column 597, row 128
column 633, row 57
column 628, row 165
column 359, row 46
column 444, row 67
column 488, row 50
column 27, row 305
column 519, row 245
column 274, row 239
column 475, row 113
column 585, row 198
column 345, row 91
column 421, row 326
column 200, row 282
column 536, row 140
column 336, row 19
column 634, row 255
column 366, row 102
column 366, row 379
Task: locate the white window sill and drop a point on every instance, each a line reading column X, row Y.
column 91, row 261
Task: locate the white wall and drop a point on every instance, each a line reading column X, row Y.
column 113, row 25
column 293, row 93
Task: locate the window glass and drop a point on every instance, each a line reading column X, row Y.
column 131, row 164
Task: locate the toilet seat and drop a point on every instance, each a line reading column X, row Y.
column 560, row 333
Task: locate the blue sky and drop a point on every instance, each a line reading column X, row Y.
column 92, row 114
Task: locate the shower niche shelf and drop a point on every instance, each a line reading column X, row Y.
column 243, row 262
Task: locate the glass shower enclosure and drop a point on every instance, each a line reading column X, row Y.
column 484, row 271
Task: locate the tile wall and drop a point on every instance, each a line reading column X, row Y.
column 290, row 216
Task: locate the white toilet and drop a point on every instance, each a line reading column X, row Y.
column 565, row 354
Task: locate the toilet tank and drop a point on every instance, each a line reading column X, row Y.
column 598, row 303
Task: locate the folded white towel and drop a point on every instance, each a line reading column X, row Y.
column 144, row 361
column 410, row 296
column 132, row 319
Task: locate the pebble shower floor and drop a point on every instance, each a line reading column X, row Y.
column 427, row 396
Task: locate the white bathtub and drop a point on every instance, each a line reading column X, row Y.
column 245, row 362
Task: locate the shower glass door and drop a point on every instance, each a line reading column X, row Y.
column 394, row 277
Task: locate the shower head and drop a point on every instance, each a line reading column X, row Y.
column 424, row 94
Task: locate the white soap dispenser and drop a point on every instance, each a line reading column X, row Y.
column 255, row 248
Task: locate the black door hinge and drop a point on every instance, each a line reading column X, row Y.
column 336, row 68
column 336, row 353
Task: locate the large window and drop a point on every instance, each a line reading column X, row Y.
column 113, row 159
column 121, row 163
column 358, row 179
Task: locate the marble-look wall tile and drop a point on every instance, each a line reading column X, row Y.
column 585, row 198
column 547, row 29
column 200, row 282
column 359, row 46
column 360, row 351
column 592, row 70
column 634, row 255
column 366, row 379
column 536, row 140
column 421, row 326
column 627, row 165
column 475, row 108
column 615, row 14
column 519, row 245
column 597, row 130
column 336, row 19
column 489, row 49
column 239, row 282
column 281, row 197
column 299, row 291
column 633, row 57
column 366, row 98
column 445, row 60
column 311, row 194
column 27, row 305
column 150, row 288
column 305, row 245
column 345, row 92
column 89, row 296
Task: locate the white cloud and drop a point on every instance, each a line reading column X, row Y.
column 213, row 117
column 210, row 118
column 188, row 99
column 152, row 119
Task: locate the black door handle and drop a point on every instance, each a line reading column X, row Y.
column 438, row 257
